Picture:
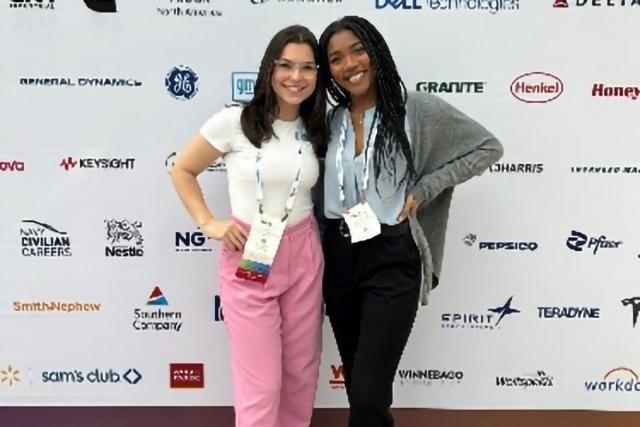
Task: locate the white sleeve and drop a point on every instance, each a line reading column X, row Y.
column 219, row 129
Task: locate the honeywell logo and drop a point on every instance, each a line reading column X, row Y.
column 607, row 91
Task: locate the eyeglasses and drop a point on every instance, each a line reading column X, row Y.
column 288, row 68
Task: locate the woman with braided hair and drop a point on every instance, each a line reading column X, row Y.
column 392, row 162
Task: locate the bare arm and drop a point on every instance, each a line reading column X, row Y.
column 191, row 162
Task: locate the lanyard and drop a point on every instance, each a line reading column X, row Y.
column 295, row 184
column 368, row 152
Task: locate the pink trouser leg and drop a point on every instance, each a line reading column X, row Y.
column 274, row 332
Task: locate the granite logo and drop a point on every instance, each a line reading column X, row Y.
column 32, row 4
column 577, row 241
column 628, row 383
column 243, row 84
column 492, row 6
column 607, row 91
column 44, row 240
column 186, row 375
column 108, row 6
column 11, row 166
column 124, row 238
column 182, row 83
column 537, row 87
column 520, row 168
column 451, row 87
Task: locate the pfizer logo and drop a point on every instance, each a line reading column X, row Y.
column 182, row 82
column 537, row 87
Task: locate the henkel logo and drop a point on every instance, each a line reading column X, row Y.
column 337, row 375
column 11, row 166
column 560, row 3
column 620, row 379
column 108, row 6
column 537, row 87
column 187, row 375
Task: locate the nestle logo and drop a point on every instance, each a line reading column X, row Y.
column 537, row 87
column 187, row 375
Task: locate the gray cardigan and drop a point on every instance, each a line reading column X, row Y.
column 448, row 148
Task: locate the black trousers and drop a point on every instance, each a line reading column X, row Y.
column 371, row 291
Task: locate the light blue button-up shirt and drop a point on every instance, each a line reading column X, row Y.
column 386, row 201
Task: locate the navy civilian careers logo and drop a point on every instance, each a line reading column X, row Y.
column 182, row 82
column 504, row 310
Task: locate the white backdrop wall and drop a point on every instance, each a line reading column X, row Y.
column 90, row 225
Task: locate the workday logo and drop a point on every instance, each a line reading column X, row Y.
column 108, row 6
column 182, row 82
column 243, row 85
column 620, row 379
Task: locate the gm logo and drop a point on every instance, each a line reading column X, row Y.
column 242, row 85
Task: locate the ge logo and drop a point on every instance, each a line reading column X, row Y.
column 182, row 82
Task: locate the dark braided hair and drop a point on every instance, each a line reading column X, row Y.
column 392, row 140
column 259, row 114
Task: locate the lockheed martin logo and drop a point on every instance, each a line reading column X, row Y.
column 505, row 310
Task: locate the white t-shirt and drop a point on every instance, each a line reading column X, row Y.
column 278, row 164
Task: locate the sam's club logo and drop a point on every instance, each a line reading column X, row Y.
column 182, row 82
column 243, row 84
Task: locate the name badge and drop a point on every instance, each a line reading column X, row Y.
column 260, row 248
column 362, row 222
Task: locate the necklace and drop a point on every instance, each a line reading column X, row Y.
column 359, row 120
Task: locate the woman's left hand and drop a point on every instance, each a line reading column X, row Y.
column 410, row 208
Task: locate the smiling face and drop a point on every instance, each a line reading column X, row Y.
column 350, row 65
column 294, row 76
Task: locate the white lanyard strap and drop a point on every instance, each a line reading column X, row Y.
column 368, row 153
column 295, row 183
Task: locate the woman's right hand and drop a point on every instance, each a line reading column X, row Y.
column 228, row 231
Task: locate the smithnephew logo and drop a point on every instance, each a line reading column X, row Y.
column 124, row 238
column 470, row 240
column 577, row 242
column 108, row 6
column 537, row 87
column 539, row 379
column 478, row 320
column 11, row 166
column 620, row 379
column 520, row 168
column 79, row 82
column 69, row 163
column 492, row 6
column 157, row 319
column 595, row 3
column 39, row 239
column 56, row 307
column 32, row 4
column 188, row 8
column 182, row 82
column 96, row 376
column 428, row 377
column 601, row 90
column 242, row 86
column 451, row 87
column 186, row 375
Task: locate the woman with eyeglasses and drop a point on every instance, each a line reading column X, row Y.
column 392, row 163
column 271, row 264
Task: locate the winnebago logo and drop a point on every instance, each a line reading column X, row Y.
column 124, row 238
column 488, row 321
column 79, row 82
column 471, row 239
column 428, row 377
column 616, row 380
column 536, row 87
column 577, row 241
column 69, row 163
column 39, row 239
column 217, row 166
column 533, row 168
column 492, row 6
column 607, row 170
column 157, row 319
column 539, row 379
column 451, row 87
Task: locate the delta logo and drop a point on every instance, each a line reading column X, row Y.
column 563, row 4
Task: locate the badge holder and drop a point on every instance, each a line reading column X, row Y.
column 362, row 222
column 260, row 248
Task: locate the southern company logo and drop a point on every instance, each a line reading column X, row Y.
column 577, row 242
column 108, row 6
column 182, row 82
column 11, row 166
column 470, row 240
column 626, row 381
column 186, row 375
column 478, row 320
column 634, row 302
column 43, row 240
column 131, row 376
column 539, row 379
column 429, row 377
column 158, row 319
column 595, row 3
column 451, row 87
column 69, row 163
column 520, row 168
column 188, row 8
column 492, row 6
column 243, row 85
column 32, row 4
column 537, row 87
column 217, row 166
column 124, row 238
